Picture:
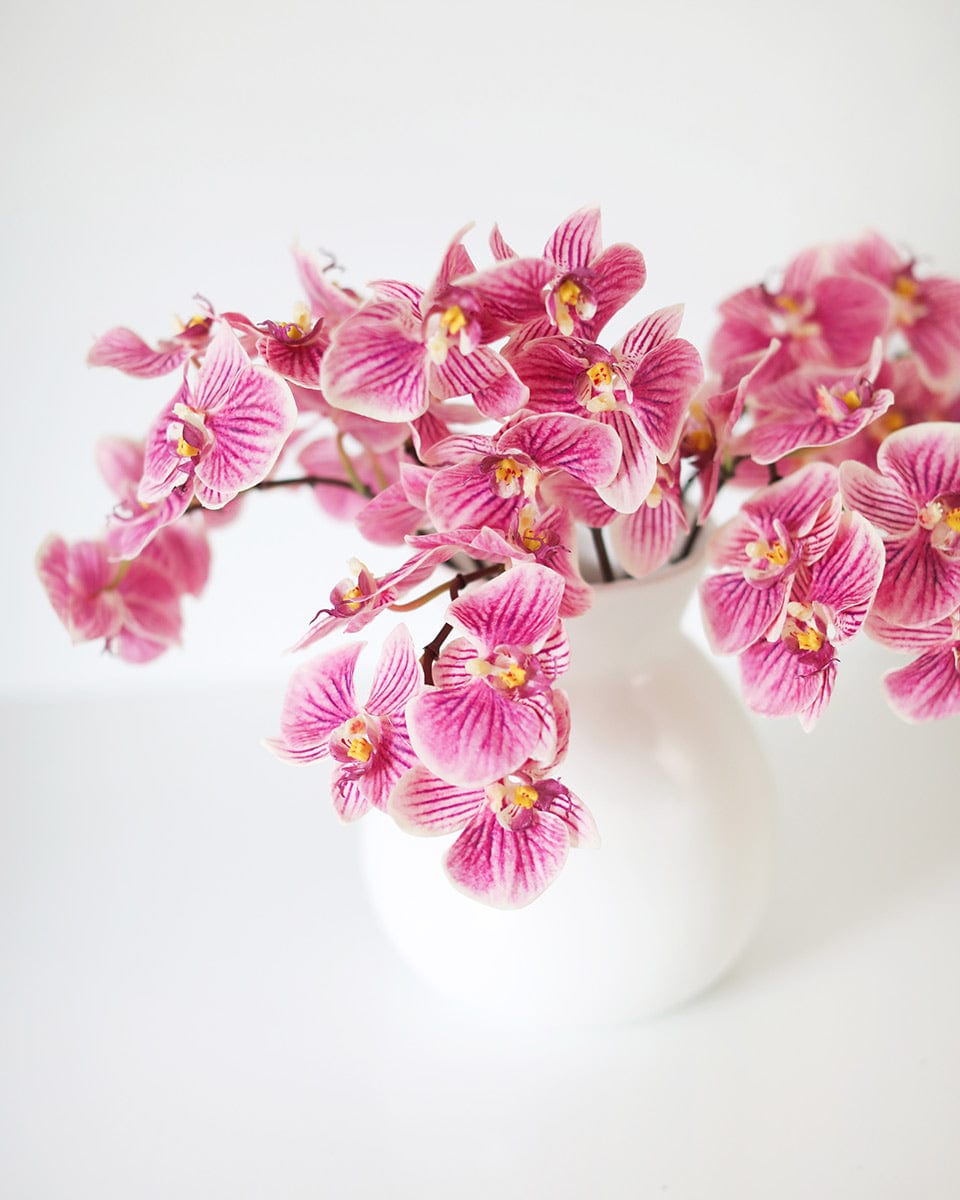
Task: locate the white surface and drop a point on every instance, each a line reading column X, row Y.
column 193, row 998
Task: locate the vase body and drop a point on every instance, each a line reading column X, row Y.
column 664, row 756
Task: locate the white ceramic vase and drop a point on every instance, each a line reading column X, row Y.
column 665, row 757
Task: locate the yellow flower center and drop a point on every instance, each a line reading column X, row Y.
column 952, row 518
column 513, row 676
column 351, row 599
column 906, row 287
column 452, row 320
column 508, row 471
column 525, row 796
column 787, row 303
column 185, row 450
column 568, row 292
column 809, row 639
column 851, row 399
column 700, row 441
column 359, row 749
column 600, row 375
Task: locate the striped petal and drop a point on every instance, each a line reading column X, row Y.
column 736, row 613
column 472, row 735
column 879, row 498
column 319, row 699
column 919, row 584
column 643, row 540
column 620, row 273
column 576, row 241
column 508, row 868
column 638, row 465
column 423, row 804
column 929, row 688
column 662, row 386
column 397, row 676
column 518, row 609
column 925, row 459
column 846, row 578
column 249, row 428
column 376, row 364
column 584, row 449
column 651, row 332
column 778, row 682
column 128, row 352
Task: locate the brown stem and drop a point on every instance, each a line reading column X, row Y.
column 431, row 652
column 302, row 480
column 452, row 586
column 603, row 559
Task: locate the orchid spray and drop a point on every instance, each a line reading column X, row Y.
column 482, row 423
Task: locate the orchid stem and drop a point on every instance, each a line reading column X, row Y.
column 355, row 481
column 302, row 480
column 603, row 559
column 431, row 652
column 452, row 587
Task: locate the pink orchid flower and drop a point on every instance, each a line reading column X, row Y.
column 795, row 673
column 928, row 689
column 369, row 743
column 515, row 833
column 401, row 351
column 177, row 537
column 813, row 407
column 292, row 349
column 913, row 499
column 492, row 707
column 779, row 529
column 588, row 284
column 133, row 606
column 222, row 436
column 489, row 478
column 818, row 316
column 926, row 310
column 640, row 389
column 128, row 352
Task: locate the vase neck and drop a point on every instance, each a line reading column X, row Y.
column 632, row 619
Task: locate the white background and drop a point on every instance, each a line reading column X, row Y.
column 194, row 999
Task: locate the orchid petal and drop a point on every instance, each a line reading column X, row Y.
column 507, row 868
column 584, row 449
column 472, row 735
column 376, row 364
column 397, row 676
column 576, row 241
column 519, row 609
column 320, row 698
column 929, row 688
column 423, row 804
column 736, row 613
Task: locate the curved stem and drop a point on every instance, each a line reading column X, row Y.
column 452, row 587
column 303, row 480
column 603, row 558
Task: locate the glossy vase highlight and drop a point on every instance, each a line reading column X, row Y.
column 666, row 759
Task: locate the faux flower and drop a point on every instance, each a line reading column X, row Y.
column 492, row 707
column 223, row 435
column 515, row 833
column 368, row 743
column 927, row 689
column 913, row 499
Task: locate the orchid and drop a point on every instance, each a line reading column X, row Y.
column 369, row 743
column 913, row 498
column 497, row 450
column 494, row 684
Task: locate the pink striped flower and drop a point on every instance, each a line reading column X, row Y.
column 794, row 674
column 128, row 352
column 928, row 689
column 489, row 479
column 134, row 607
column 222, row 436
column 813, row 407
column 926, row 310
column 780, row 529
column 817, row 315
column 588, row 283
column 640, row 389
column 515, row 833
column 406, row 348
column 492, row 708
column 913, row 499
column 368, row 743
